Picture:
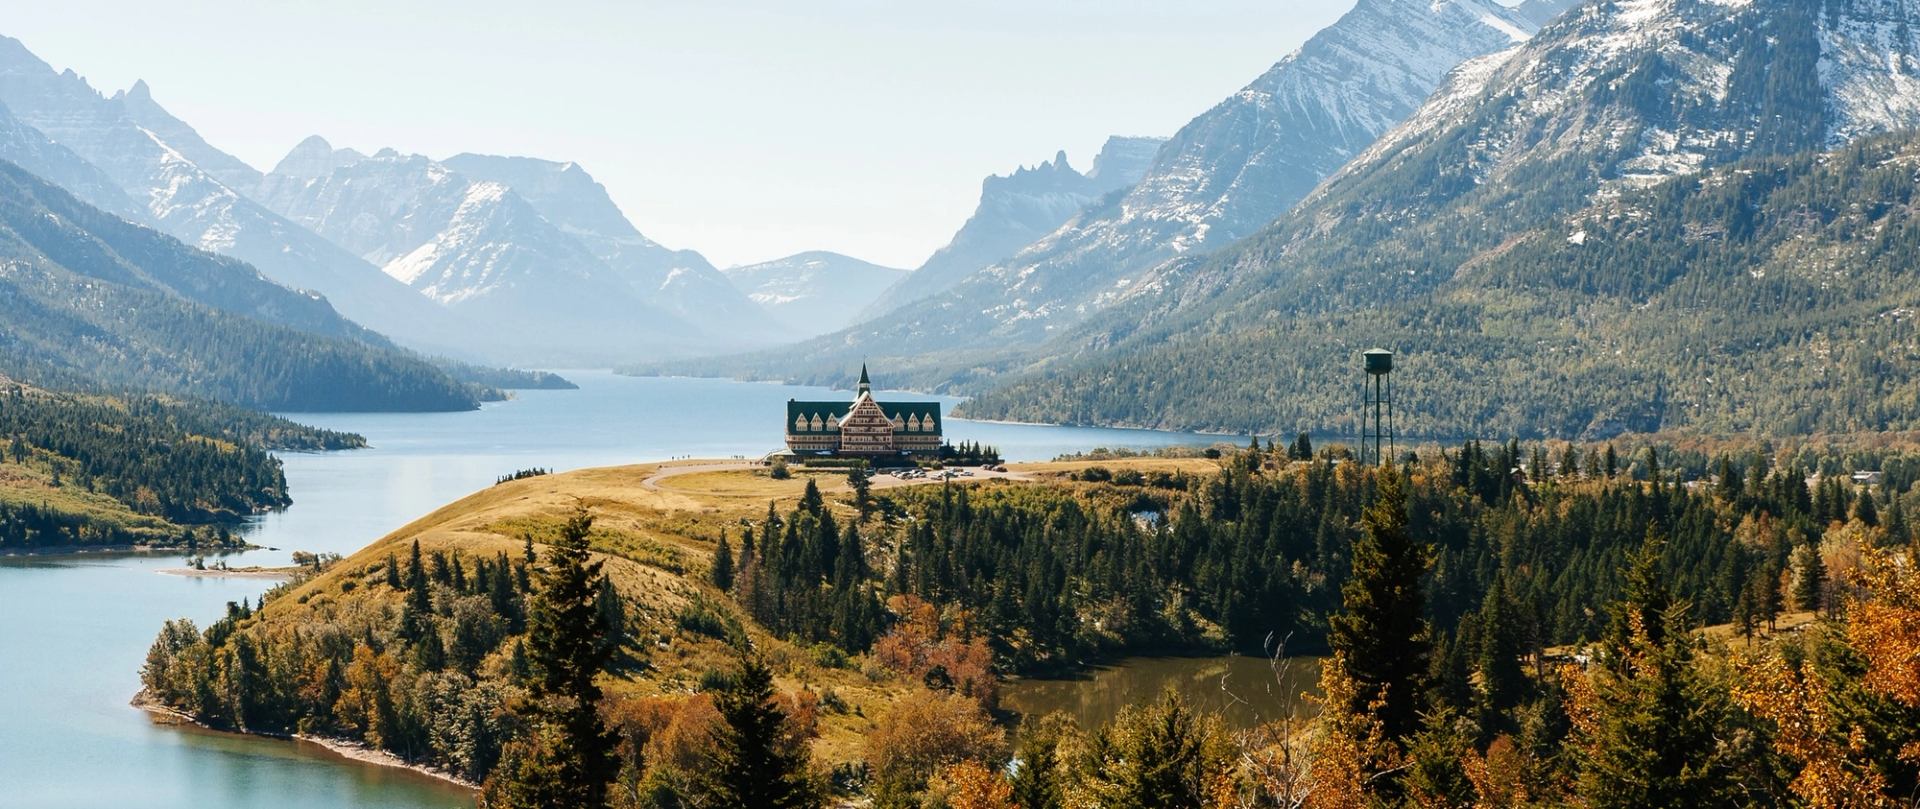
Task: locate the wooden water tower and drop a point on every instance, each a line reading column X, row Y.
column 1376, row 413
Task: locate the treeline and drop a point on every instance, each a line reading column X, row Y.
column 504, row 379
column 522, row 474
column 969, row 453
column 1436, row 589
column 183, row 462
column 1057, row 575
column 1661, row 716
column 424, row 665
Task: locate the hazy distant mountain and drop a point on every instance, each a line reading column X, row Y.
column 91, row 299
column 138, row 105
column 1224, row 175
column 149, row 155
column 32, row 150
column 679, row 281
column 815, row 292
column 1549, row 246
column 483, row 249
column 1016, row 209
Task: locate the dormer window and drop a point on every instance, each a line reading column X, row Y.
column 800, row 423
column 816, row 421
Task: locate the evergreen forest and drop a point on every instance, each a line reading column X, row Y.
column 1512, row 625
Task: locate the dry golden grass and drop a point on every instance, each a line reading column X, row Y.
column 751, row 484
column 656, row 526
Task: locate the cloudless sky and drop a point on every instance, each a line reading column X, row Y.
column 745, row 129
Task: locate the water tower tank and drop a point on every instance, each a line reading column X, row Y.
column 1379, row 361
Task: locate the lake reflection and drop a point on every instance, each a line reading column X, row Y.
column 1246, row 691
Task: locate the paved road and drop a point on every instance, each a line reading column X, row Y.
column 881, row 480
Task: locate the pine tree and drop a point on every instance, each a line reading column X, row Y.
column 1898, row 533
column 613, row 616
column 1648, row 726
column 1156, row 756
column 1503, row 680
column 1037, row 784
column 417, row 594
column 861, row 482
column 1767, row 598
column 723, row 565
column 1381, row 633
column 567, row 757
column 1864, row 509
column 1810, row 583
column 753, row 767
column 810, row 500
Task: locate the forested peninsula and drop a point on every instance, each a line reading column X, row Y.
column 96, row 470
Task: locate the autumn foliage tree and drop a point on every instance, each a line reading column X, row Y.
column 1845, row 703
column 921, row 735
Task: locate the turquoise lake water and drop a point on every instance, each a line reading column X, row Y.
column 74, row 629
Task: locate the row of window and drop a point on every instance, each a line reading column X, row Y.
column 913, row 424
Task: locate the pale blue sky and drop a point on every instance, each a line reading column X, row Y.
column 746, row 129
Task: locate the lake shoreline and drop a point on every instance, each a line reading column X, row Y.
column 84, row 550
column 252, row 572
column 344, row 748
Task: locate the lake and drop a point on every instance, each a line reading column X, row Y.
column 1245, row 691
column 74, row 629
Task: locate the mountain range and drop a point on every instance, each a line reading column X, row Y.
column 152, row 165
column 1224, row 175
column 1015, row 210
column 94, row 301
column 1654, row 214
column 814, row 292
column 505, row 259
column 557, row 266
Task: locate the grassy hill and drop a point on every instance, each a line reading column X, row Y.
column 656, row 528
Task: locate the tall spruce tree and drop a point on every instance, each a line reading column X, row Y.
column 1810, row 579
column 861, row 482
column 753, row 768
column 1864, row 509
column 1502, row 684
column 567, row 757
column 1380, row 632
column 1161, row 755
column 1652, row 726
column 1037, row 783
column 723, row 565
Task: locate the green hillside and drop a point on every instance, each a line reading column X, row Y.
column 1772, row 296
column 95, row 302
column 84, row 470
